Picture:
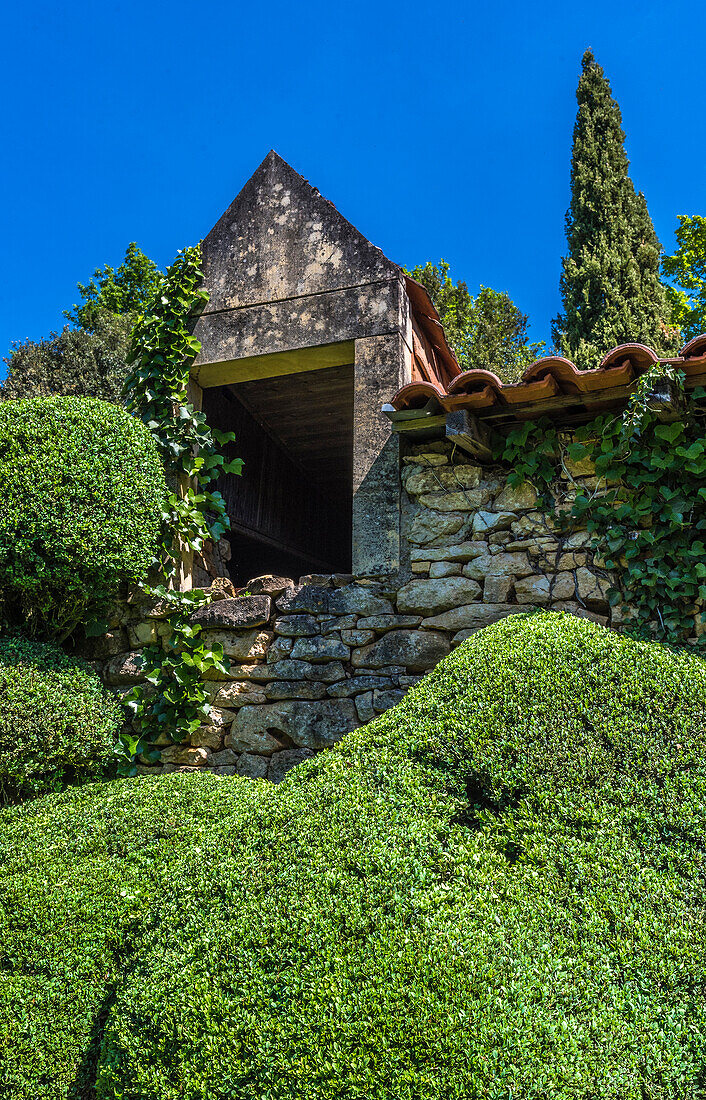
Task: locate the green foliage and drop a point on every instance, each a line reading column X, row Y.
column 89, row 360
column 610, row 286
column 88, row 872
column 531, row 449
column 649, row 522
column 125, row 291
column 175, row 701
column 156, row 391
column 57, row 722
column 487, row 331
column 687, row 268
column 74, row 362
column 161, row 354
column 82, row 493
column 494, row 890
column 647, row 514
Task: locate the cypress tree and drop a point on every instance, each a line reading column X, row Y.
column 610, row 285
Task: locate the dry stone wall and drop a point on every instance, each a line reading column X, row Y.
column 311, row 661
column 481, row 549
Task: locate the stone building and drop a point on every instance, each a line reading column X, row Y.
column 308, row 331
column 371, row 531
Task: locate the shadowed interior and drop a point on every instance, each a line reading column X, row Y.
column 290, row 510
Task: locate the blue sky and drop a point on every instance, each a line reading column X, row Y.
column 439, row 130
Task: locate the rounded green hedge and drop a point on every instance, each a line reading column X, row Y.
column 494, row 891
column 58, row 724
column 81, row 494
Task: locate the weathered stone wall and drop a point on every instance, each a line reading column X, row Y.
column 313, row 660
column 309, row 663
column 481, row 549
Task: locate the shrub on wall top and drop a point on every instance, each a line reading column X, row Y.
column 81, row 494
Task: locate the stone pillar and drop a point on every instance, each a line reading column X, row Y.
column 382, row 365
column 194, row 394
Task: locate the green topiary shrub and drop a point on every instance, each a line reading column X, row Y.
column 81, row 496
column 494, row 891
column 57, row 722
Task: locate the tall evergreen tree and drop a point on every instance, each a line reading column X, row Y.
column 610, row 285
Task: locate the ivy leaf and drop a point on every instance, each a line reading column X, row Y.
column 577, row 451
column 669, row 432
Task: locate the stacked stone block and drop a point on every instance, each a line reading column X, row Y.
column 481, row 549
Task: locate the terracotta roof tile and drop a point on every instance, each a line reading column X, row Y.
column 550, row 383
column 695, row 349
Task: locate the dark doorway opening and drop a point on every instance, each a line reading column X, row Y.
column 291, row 510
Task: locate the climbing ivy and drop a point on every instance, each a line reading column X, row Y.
column 156, row 390
column 173, row 699
column 172, row 702
column 645, row 508
column 531, row 450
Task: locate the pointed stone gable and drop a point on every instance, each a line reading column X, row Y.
column 281, row 239
column 291, row 284
column 295, row 289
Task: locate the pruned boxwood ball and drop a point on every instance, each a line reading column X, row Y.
column 81, row 495
column 58, row 724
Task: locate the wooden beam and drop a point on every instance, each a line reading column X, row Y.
column 666, row 401
column 422, row 428
column 273, row 366
column 466, row 431
column 532, row 409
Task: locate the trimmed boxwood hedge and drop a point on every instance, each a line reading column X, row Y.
column 82, row 490
column 495, row 890
column 58, row 724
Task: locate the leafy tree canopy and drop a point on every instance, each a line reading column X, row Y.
column 125, row 290
column 72, row 363
column 88, row 360
column 610, row 285
column 687, row 268
column 486, row 331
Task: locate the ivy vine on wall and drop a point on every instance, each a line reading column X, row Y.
column 173, row 700
column 645, row 507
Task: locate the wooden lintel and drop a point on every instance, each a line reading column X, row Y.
column 422, row 427
column 297, row 361
column 578, row 402
column 466, row 431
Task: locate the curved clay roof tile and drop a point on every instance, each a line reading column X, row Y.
column 695, row 349
column 472, row 380
column 520, row 393
column 550, row 377
column 640, row 356
column 563, row 370
column 415, row 395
